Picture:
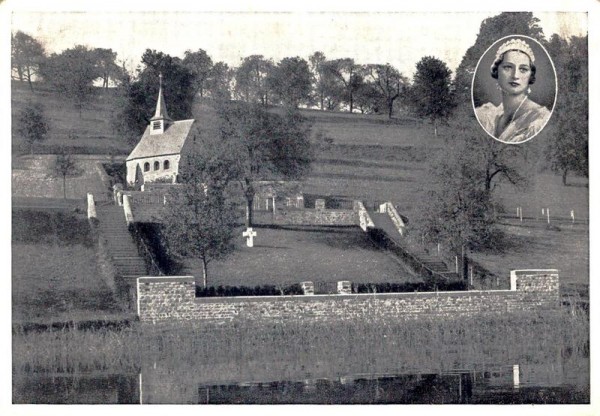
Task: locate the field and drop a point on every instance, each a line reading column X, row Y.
column 54, row 269
column 284, row 256
column 33, row 176
column 374, row 159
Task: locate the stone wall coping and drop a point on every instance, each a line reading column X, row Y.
column 160, row 279
column 353, row 296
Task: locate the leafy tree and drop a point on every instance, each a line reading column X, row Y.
column 72, row 73
column 388, row 81
column 32, row 124
column 27, row 54
column 492, row 29
column 107, row 65
column 250, row 79
column 199, row 221
column 140, row 96
column 568, row 149
column 347, row 75
column 430, row 94
column 368, row 98
column 200, row 65
column 290, row 81
column 65, row 166
column 461, row 204
column 327, row 92
column 218, row 83
column 262, row 145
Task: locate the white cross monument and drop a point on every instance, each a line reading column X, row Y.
column 249, row 234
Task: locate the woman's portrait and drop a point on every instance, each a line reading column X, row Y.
column 514, row 89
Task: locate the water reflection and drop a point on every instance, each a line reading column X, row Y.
column 461, row 388
column 503, row 385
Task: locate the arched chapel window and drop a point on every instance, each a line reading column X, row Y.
column 156, row 165
column 146, row 167
column 166, row 165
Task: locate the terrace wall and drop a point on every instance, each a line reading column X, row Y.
column 173, row 298
column 308, row 216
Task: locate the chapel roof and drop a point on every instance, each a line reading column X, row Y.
column 168, row 143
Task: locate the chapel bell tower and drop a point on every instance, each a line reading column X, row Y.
column 161, row 119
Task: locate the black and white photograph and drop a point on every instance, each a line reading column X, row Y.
column 271, row 206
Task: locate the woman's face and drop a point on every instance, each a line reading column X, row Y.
column 514, row 72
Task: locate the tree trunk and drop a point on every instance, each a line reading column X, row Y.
column 249, row 210
column 249, row 193
column 29, row 79
column 390, row 108
column 564, row 176
column 204, row 272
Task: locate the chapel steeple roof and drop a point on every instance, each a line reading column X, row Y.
column 161, row 117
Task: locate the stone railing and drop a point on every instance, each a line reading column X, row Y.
column 390, row 210
column 364, row 220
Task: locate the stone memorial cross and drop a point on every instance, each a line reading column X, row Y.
column 249, row 234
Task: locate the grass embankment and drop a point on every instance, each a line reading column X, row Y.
column 247, row 351
column 55, row 276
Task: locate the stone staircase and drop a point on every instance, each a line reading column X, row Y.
column 431, row 262
column 121, row 247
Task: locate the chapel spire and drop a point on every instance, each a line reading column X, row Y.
column 158, row 123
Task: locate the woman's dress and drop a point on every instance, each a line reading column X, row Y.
column 525, row 125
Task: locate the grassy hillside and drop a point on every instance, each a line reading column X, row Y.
column 91, row 132
column 370, row 158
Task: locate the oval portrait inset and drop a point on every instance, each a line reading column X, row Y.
column 514, row 89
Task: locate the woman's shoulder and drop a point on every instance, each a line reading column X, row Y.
column 488, row 110
column 487, row 107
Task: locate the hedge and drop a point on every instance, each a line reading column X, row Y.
column 265, row 290
column 296, row 289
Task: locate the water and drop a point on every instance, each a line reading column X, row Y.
column 516, row 384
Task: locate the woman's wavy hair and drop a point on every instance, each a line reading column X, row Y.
column 497, row 62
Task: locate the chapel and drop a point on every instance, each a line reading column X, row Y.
column 157, row 156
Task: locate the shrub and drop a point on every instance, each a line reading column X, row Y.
column 265, row 290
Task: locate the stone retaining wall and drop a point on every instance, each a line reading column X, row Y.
column 173, row 298
column 316, row 217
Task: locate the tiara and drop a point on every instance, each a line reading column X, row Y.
column 515, row 44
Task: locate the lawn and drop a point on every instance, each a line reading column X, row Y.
column 535, row 245
column 55, row 276
column 289, row 255
column 35, row 176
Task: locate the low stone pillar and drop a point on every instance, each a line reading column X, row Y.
column 308, row 288
column 320, row 204
column 117, row 189
column 91, row 206
column 127, row 209
column 344, row 287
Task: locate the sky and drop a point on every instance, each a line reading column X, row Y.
column 398, row 38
